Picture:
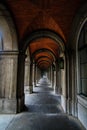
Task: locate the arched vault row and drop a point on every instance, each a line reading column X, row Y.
column 44, row 57
column 41, row 57
column 28, row 40
column 43, row 50
column 25, row 43
column 41, row 34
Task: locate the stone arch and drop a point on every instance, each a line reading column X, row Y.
column 7, row 30
column 44, row 50
column 78, row 100
column 43, row 57
column 8, row 62
column 40, row 34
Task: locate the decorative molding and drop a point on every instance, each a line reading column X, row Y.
column 9, row 52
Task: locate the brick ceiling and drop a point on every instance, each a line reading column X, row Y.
column 56, row 15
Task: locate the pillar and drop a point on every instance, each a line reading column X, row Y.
column 34, row 74
column 27, row 65
column 63, row 89
column 38, row 75
column 56, row 78
column 71, row 94
column 59, row 79
column 72, row 90
column 31, row 78
column 52, row 77
column 26, row 78
column 8, row 81
column 20, row 82
column 49, row 75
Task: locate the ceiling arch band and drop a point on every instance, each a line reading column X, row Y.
column 40, row 34
column 43, row 50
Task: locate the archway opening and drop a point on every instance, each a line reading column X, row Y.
column 8, row 58
column 44, row 58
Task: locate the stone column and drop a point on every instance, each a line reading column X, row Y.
column 8, row 81
column 63, row 90
column 48, row 76
column 38, row 75
column 69, row 92
column 52, row 79
column 70, row 89
column 59, row 81
column 34, row 74
column 56, row 78
column 26, row 78
column 31, row 78
column 51, row 75
column 20, row 82
column 27, row 66
column 74, row 87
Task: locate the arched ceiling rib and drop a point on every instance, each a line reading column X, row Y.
column 44, row 65
column 42, row 57
column 44, row 54
column 44, row 43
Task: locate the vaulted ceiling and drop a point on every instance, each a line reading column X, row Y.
column 54, row 15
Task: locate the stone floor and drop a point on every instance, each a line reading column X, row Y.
column 43, row 112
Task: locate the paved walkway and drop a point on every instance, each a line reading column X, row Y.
column 43, row 112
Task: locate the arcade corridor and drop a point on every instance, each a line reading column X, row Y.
column 43, row 64
column 43, row 112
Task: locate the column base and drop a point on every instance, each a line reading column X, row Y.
column 69, row 106
column 20, row 104
column 64, row 102
column 34, row 84
column 55, row 89
column 8, row 106
column 30, row 89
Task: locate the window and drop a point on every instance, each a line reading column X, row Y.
column 83, row 71
column 83, row 60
